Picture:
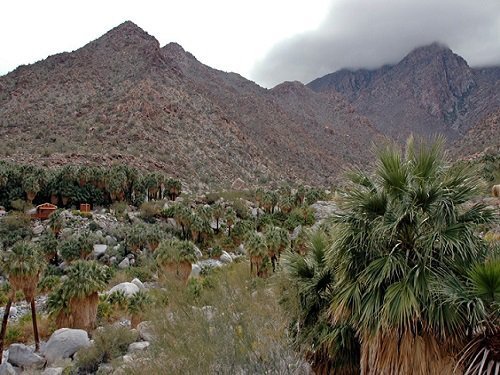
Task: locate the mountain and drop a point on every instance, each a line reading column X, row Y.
column 483, row 136
column 431, row 90
column 123, row 98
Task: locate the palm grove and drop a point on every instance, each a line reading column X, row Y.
column 400, row 280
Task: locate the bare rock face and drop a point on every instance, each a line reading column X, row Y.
column 431, row 90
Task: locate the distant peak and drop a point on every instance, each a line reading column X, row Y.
column 289, row 87
column 130, row 31
column 175, row 52
column 432, row 49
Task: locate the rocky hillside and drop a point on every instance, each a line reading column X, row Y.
column 483, row 136
column 123, row 98
column 432, row 90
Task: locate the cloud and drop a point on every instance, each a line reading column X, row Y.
column 370, row 33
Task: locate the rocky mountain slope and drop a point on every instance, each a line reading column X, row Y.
column 431, row 90
column 483, row 136
column 123, row 98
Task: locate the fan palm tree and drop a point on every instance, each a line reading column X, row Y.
column 176, row 257
column 256, row 247
column 137, row 305
column 174, row 188
column 330, row 348
column 217, row 214
column 475, row 295
column 23, row 266
column 397, row 231
column 230, row 219
column 277, row 241
column 33, row 181
column 75, row 302
column 48, row 246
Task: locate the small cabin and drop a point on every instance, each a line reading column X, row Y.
column 84, row 207
column 43, row 211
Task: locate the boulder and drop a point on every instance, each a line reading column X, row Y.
column 146, row 331
column 125, row 263
column 111, row 241
column 127, row 358
column 238, row 184
column 7, row 369
column 323, row 209
column 53, row 371
column 226, row 258
column 38, row 230
column 139, row 283
column 195, row 270
column 105, row 368
column 99, row 250
column 129, row 289
column 22, row 356
column 64, row 343
column 198, row 252
column 138, row 346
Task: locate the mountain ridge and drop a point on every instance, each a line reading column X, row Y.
column 431, row 90
column 123, row 97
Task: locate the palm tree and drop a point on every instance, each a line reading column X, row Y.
column 475, row 295
column 217, row 214
column 75, row 302
column 153, row 236
column 308, row 284
column 174, row 188
column 23, row 266
column 137, row 305
column 277, row 241
column 48, row 246
column 397, row 231
column 230, row 219
column 256, row 247
column 175, row 257
column 33, row 181
column 285, row 204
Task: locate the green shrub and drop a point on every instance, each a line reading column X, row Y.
column 109, row 342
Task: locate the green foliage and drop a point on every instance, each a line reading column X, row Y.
column 109, row 342
column 235, row 327
column 84, row 278
column 24, row 260
column 139, row 302
column 13, row 228
column 175, row 251
column 94, row 185
column 77, row 247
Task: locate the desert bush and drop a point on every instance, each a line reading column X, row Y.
column 109, row 342
column 236, row 326
column 13, row 228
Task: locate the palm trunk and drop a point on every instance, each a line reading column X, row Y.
column 4, row 325
column 35, row 325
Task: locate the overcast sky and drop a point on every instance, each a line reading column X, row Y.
column 268, row 41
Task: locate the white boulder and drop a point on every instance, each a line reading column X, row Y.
column 64, row 343
column 129, row 289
